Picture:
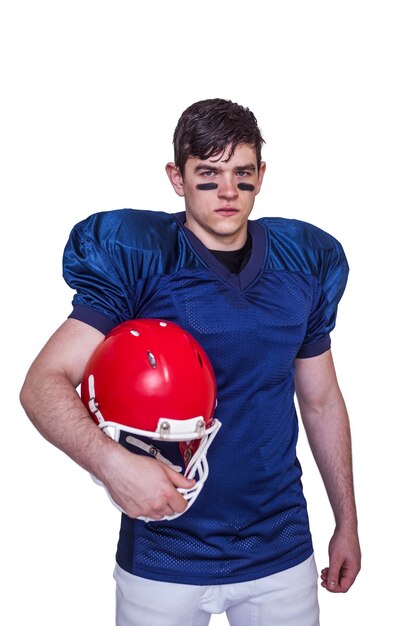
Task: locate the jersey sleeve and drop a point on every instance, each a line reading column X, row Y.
column 332, row 277
column 97, row 274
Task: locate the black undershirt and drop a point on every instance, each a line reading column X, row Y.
column 235, row 260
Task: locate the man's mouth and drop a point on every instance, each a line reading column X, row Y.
column 225, row 210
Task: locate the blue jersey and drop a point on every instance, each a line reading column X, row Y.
column 250, row 519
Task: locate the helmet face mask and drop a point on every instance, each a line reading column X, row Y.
column 151, row 379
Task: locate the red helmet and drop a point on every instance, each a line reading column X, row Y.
column 151, row 378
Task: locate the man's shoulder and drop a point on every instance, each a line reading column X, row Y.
column 128, row 226
column 126, row 218
column 302, row 247
column 126, row 245
column 298, row 231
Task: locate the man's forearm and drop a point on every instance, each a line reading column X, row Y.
column 52, row 403
column 328, row 432
column 56, row 410
column 327, row 426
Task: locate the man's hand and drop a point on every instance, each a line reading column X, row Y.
column 144, row 487
column 345, row 562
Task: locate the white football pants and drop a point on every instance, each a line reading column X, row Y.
column 288, row 598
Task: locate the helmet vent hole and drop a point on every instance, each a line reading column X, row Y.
column 152, row 360
column 200, row 360
column 135, row 333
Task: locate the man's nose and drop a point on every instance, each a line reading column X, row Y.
column 227, row 188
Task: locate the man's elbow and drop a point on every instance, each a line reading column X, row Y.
column 27, row 394
column 37, row 388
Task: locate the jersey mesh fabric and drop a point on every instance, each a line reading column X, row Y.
column 250, row 520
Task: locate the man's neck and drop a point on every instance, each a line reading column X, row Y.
column 218, row 241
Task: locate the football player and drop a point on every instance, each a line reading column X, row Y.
column 260, row 297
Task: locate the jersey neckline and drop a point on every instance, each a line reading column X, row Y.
column 251, row 270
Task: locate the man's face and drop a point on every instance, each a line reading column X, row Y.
column 219, row 195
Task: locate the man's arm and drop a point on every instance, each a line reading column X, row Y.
column 140, row 486
column 326, row 422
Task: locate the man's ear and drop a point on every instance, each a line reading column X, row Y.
column 260, row 177
column 175, row 178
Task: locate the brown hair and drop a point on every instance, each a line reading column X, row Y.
column 208, row 127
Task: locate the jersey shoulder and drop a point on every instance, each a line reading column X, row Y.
column 299, row 246
column 130, row 227
column 126, row 245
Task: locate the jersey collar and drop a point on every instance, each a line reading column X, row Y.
column 251, row 270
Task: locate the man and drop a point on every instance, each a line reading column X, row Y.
column 261, row 298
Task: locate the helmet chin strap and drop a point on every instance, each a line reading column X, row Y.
column 197, row 466
column 152, row 451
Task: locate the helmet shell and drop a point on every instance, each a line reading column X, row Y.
column 148, row 369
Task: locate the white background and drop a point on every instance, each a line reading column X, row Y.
column 91, row 92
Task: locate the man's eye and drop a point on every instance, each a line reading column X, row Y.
column 208, row 174
column 242, row 173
